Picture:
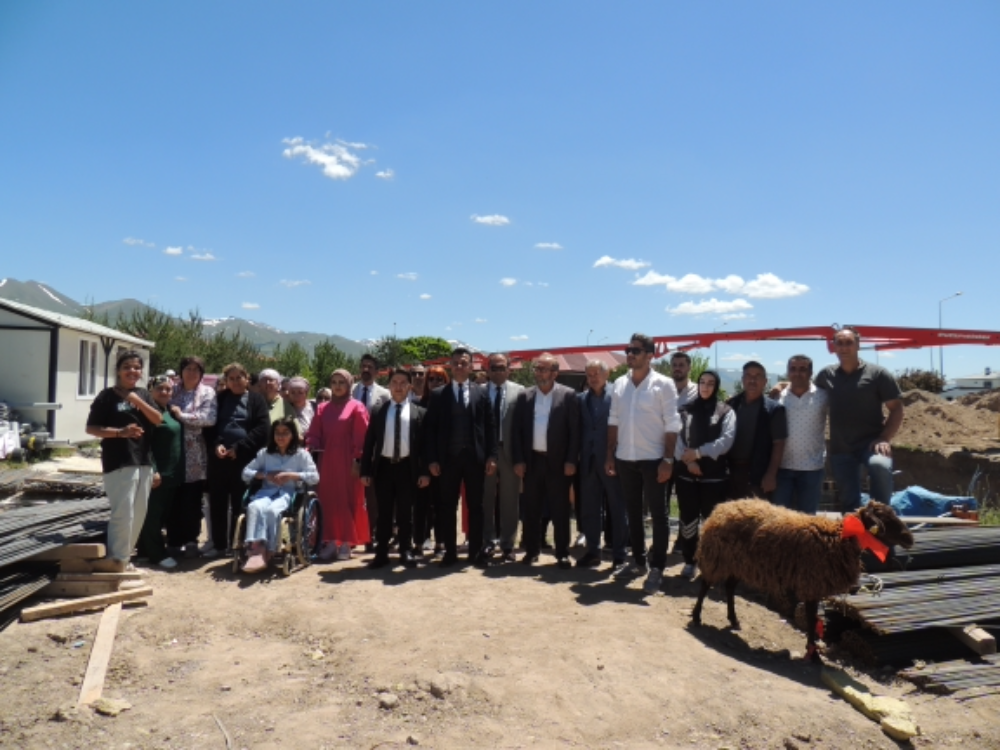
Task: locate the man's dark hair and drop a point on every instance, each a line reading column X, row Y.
column 368, row 356
column 254, row 379
column 461, row 351
column 125, row 356
column 402, row 371
column 680, row 355
column 647, row 341
column 754, row 363
column 292, row 424
column 192, row 360
column 802, row 358
column 852, row 330
column 506, row 359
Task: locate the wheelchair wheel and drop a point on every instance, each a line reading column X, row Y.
column 309, row 531
column 239, row 553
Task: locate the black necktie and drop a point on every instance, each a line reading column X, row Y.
column 461, row 395
column 399, row 431
column 496, row 413
column 364, row 396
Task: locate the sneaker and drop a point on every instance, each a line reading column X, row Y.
column 581, row 540
column 328, row 551
column 689, row 571
column 629, row 570
column 344, row 552
column 208, row 551
column 653, row 581
column 589, row 560
column 167, row 563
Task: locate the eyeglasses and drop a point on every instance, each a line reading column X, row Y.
column 435, row 379
column 418, row 374
column 498, row 368
column 634, row 350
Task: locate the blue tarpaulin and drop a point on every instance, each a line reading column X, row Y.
column 916, row 501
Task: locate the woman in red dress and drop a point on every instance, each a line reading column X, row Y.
column 338, row 430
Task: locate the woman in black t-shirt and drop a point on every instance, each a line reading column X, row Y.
column 124, row 417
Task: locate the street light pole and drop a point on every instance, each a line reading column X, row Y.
column 589, row 335
column 715, row 345
column 940, row 326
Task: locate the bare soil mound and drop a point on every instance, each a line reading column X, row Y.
column 989, row 400
column 933, row 424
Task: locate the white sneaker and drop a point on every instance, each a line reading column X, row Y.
column 168, row 563
column 689, row 571
column 328, row 551
column 581, row 540
column 653, row 581
column 344, row 552
column 629, row 570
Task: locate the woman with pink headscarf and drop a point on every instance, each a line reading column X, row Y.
column 338, row 430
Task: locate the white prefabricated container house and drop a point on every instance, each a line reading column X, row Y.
column 57, row 360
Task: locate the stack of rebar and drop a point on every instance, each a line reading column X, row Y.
column 11, row 481
column 916, row 600
column 25, row 532
column 17, row 586
column 77, row 485
column 901, row 649
column 954, row 676
column 949, row 547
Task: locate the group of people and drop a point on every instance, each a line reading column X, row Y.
column 391, row 464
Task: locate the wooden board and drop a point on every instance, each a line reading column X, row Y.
column 73, row 552
column 129, row 575
column 975, row 638
column 100, row 655
column 79, row 605
column 79, row 588
column 75, row 566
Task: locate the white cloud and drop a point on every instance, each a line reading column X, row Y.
column 374, row 273
column 408, row 276
column 425, row 296
column 337, row 160
column 250, row 306
column 385, row 174
column 203, row 256
column 480, row 320
column 691, row 283
column 629, row 264
column 508, row 282
column 543, row 283
column 735, row 357
column 710, row 306
column 493, row 220
column 650, row 278
column 732, row 284
column 174, row 251
column 529, row 283
column 522, row 337
column 736, row 316
column 765, row 286
column 179, row 278
column 769, row 286
column 548, row 246
column 246, row 274
column 353, row 144
column 292, row 284
column 890, row 355
column 135, row 242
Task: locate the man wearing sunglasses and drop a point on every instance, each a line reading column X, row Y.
column 642, row 434
column 501, row 492
column 800, row 476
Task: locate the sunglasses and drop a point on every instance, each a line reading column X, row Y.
column 498, row 368
column 803, row 368
column 634, row 350
column 436, row 379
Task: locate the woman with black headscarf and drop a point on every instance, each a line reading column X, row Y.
column 708, row 428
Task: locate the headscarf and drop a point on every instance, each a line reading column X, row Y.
column 350, row 384
column 701, row 411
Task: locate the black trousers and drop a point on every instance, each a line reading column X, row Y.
column 697, row 500
column 640, row 488
column 546, row 480
column 183, row 514
column 456, row 470
column 423, row 513
column 225, row 497
column 395, row 489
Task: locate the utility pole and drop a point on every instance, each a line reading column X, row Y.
column 940, row 326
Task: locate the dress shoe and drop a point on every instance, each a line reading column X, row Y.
column 408, row 558
column 529, row 560
column 564, row 563
column 481, row 561
column 449, row 559
column 508, row 556
column 589, row 560
column 379, row 561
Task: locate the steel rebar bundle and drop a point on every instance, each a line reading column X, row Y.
column 79, row 485
column 902, row 649
column 950, row 677
column 948, row 548
column 25, row 532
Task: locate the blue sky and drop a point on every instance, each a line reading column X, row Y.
column 461, row 169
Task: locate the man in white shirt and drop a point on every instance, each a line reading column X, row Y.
column 642, row 436
column 391, row 464
column 502, row 491
column 680, row 372
column 800, row 476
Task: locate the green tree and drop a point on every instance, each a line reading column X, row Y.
column 326, row 358
column 422, row 348
column 292, row 360
column 912, row 379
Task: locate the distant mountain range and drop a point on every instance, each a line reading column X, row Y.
column 265, row 337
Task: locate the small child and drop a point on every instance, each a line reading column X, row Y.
column 281, row 465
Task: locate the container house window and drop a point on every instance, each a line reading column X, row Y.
column 87, row 383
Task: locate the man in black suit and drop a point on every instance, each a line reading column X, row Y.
column 392, row 458
column 546, row 446
column 460, row 447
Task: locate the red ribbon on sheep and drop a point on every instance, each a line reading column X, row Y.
column 853, row 526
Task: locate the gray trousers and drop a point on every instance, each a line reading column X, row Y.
column 504, row 487
column 128, row 494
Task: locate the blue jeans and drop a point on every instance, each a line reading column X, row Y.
column 847, row 474
column 799, row 490
column 595, row 485
column 264, row 516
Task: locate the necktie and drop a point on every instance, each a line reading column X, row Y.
column 461, row 395
column 364, row 396
column 496, row 413
column 397, row 435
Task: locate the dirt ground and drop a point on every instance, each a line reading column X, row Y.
column 933, row 424
column 506, row 658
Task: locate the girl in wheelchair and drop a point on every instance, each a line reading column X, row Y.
column 281, row 466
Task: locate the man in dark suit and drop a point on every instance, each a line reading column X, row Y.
column 596, row 487
column 546, row 445
column 502, row 492
column 460, row 447
column 392, row 459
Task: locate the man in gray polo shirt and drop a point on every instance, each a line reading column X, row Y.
column 860, row 431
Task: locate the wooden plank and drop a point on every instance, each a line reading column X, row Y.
column 100, row 655
column 79, row 605
column 975, row 638
column 129, row 575
column 79, row 588
column 939, row 520
column 75, row 566
column 72, row 552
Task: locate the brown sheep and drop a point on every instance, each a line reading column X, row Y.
column 779, row 551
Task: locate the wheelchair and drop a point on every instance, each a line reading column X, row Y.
column 300, row 532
